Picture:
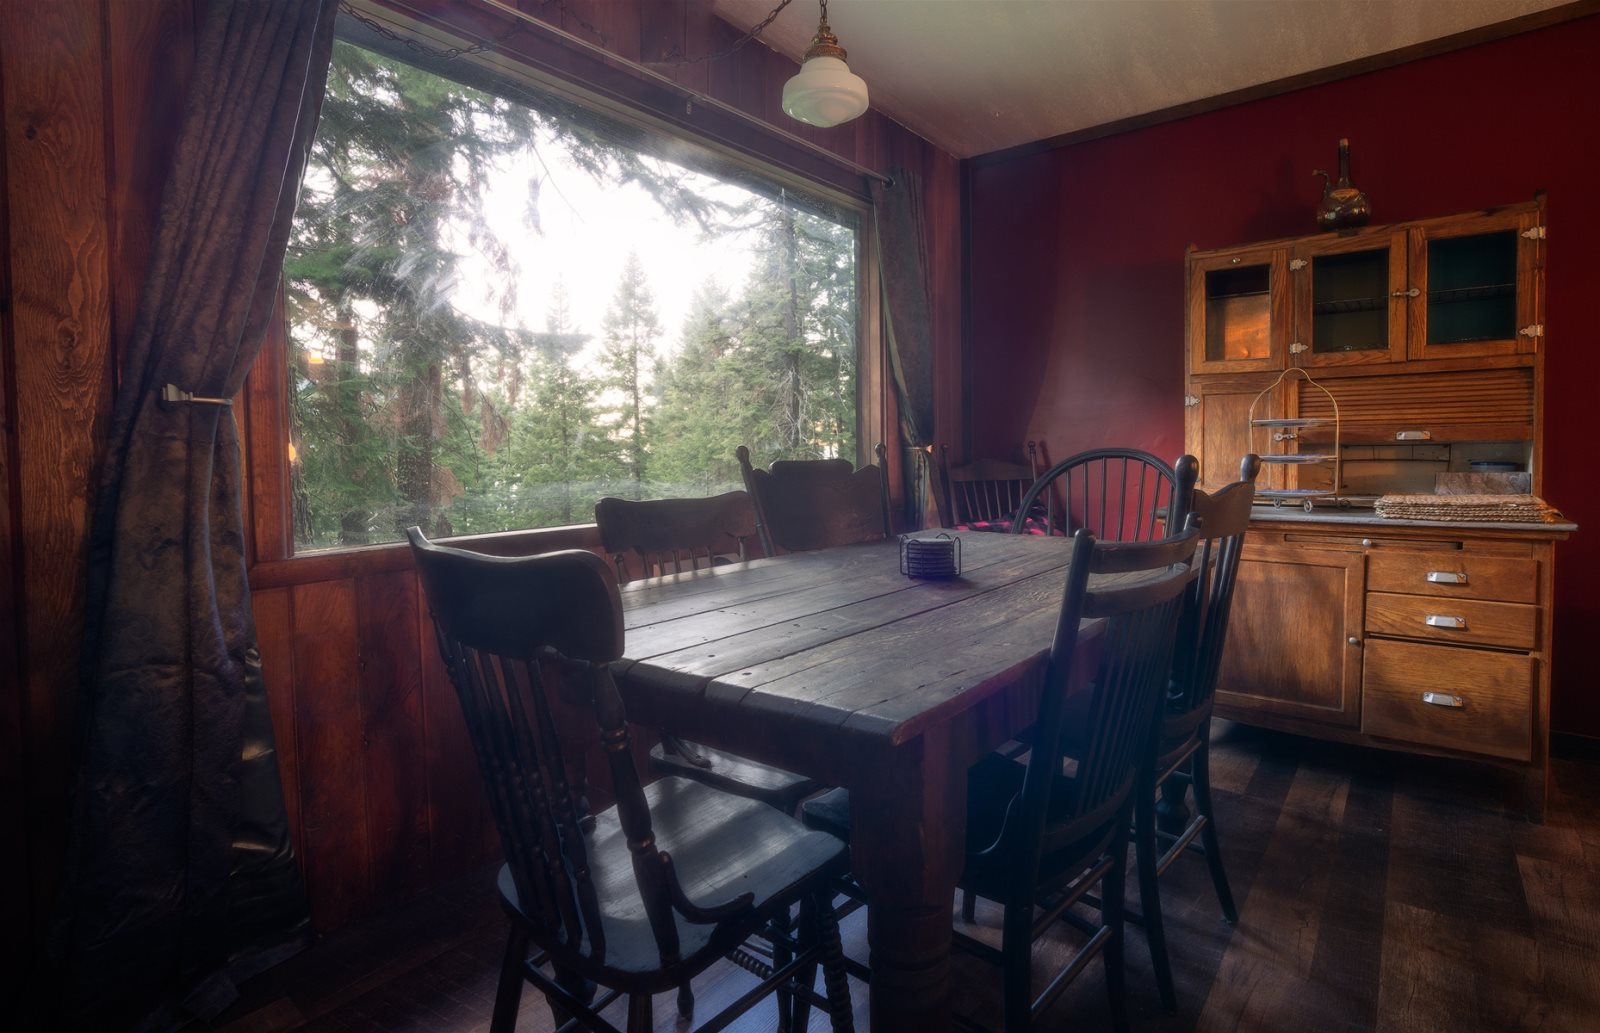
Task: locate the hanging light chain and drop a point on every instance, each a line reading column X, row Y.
column 675, row 56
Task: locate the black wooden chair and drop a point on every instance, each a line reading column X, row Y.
column 804, row 504
column 1116, row 494
column 1039, row 840
column 985, row 494
column 674, row 536
column 1182, row 747
column 658, row 887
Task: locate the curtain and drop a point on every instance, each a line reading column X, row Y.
column 903, row 274
column 180, row 878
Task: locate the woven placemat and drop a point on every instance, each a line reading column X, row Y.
column 1520, row 509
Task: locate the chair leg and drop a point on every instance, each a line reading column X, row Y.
column 1201, row 765
column 834, row 981
column 969, row 906
column 685, row 1002
column 641, row 1016
column 1016, row 967
column 807, row 977
column 508, row 993
column 1144, row 825
column 1111, row 913
column 781, row 956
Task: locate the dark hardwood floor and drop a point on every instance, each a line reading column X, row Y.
column 1376, row 892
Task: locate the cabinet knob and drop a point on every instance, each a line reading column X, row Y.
column 1353, row 640
column 1367, row 543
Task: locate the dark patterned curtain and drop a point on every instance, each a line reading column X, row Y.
column 903, row 273
column 180, row 877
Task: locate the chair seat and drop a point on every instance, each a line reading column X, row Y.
column 1033, row 525
column 829, row 813
column 722, row 846
column 734, row 774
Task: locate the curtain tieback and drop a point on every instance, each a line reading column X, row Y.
column 174, row 393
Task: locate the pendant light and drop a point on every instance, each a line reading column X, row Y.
column 825, row 92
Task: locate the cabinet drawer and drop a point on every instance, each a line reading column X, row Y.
column 1474, row 621
column 1494, row 692
column 1457, row 575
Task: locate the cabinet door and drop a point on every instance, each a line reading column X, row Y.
column 1294, row 647
column 1350, row 301
column 1218, row 431
column 1477, row 283
column 1239, row 313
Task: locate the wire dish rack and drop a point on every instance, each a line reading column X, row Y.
column 1283, row 432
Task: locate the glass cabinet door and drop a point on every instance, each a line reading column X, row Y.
column 1238, row 311
column 1475, row 279
column 1350, row 301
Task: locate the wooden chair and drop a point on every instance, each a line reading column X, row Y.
column 1182, row 749
column 1039, row 840
column 984, row 495
column 804, row 504
column 1116, row 494
column 658, row 887
column 672, row 536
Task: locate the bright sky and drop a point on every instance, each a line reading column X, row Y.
column 587, row 232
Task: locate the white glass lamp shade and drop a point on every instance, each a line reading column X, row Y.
column 824, row 93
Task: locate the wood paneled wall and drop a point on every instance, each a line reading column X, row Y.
column 382, row 790
column 1077, row 258
column 91, row 92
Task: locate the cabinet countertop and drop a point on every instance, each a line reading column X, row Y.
column 1366, row 518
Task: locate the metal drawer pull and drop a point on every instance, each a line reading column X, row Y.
column 1437, row 620
column 1446, row 577
column 1443, row 699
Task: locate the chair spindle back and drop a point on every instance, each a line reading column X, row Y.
column 520, row 637
column 671, row 536
column 804, row 504
column 1116, row 494
column 1140, row 609
column 986, row 491
column 1222, row 520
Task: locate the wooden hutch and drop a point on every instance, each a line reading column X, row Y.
column 1430, row 637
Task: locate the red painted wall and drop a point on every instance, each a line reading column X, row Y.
column 1077, row 259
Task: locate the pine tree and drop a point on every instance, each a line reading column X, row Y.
column 628, row 334
column 704, row 411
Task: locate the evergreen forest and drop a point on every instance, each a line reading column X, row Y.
column 408, row 406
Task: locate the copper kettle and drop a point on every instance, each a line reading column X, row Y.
column 1342, row 205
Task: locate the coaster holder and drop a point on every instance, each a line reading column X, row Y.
column 930, row 558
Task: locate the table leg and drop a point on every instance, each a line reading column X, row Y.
column 908, row 822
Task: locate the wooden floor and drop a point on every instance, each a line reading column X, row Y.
column 1376, row 892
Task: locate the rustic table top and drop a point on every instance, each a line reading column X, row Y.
column 839, row 640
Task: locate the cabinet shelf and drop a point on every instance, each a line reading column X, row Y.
column 1307, row 421
column 1298, row 458
column 1328, row 308
column 1457, row 294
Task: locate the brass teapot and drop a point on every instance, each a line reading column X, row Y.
column 1343, row 206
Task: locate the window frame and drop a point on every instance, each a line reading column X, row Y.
column 264, row 399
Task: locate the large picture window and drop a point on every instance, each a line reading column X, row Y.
column 499, row 312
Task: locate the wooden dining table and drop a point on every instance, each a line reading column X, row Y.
column 835, row 665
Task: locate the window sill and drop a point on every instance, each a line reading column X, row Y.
column 334, row 564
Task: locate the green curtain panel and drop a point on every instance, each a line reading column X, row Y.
column 903, row 273
column 180, row 876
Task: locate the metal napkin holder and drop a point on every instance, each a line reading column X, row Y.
column 936, row 557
